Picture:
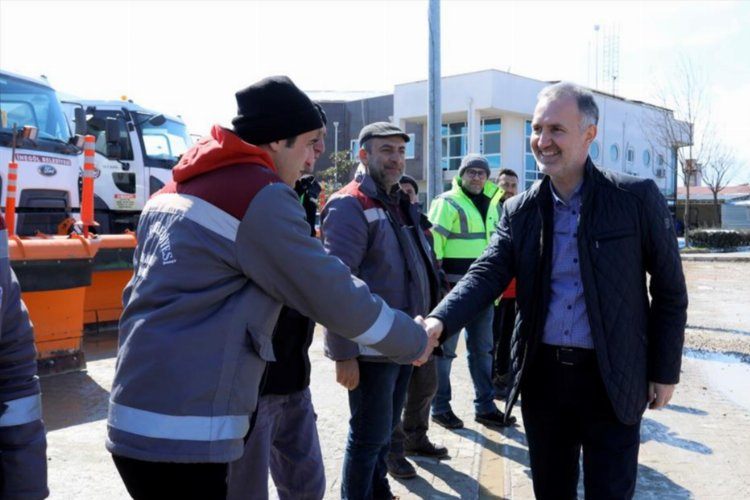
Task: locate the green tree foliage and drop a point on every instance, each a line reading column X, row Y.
column 335, row 177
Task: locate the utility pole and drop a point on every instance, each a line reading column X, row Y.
column 434, row 117
column 596, row 56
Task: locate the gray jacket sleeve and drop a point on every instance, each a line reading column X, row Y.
column 344, row 234
column 22, row 439
column 276, row 252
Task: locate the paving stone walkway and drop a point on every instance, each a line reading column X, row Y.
column 698, row 447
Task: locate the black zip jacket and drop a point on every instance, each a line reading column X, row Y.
column 625, row 231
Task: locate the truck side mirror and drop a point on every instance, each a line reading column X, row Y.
column 112, row 134
column 157, row 120
column 79, row 115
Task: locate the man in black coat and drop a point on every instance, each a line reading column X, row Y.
column 594, row 342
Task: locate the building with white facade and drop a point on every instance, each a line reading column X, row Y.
column 489, row 112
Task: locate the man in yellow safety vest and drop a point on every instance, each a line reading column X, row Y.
column 463, row 220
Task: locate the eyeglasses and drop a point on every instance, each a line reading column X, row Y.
column 479, row 173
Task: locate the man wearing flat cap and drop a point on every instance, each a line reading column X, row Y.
column 371, row 225
column 220, row 249
column 463, row 220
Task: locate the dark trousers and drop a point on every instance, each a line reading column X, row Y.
column 411, row 431
column 502, row 331
column 375, row 406
column 166, row 480
column 565, row 409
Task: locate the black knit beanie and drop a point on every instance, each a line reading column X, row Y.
column 407, row 179
column 322, row 113
column 274, row 109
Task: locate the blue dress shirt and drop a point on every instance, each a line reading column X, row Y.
column 567, row 323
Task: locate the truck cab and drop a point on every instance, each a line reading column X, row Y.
column 48, row 156
column 136, row 149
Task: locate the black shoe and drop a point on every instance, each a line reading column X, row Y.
column 427, row 449
column 495, row 419
column 501, row 391
column 449, row 420
column 501, row 386
column 400, row 468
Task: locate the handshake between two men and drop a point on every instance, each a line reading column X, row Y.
column 434, row 328
column 348, row 372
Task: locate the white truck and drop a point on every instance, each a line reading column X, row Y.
column 136, row 149
column 49, row 157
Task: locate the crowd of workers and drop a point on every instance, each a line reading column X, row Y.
column 211, row 390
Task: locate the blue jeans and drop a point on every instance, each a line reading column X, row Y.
column 375, row 406
column 284, row 440
column 479, row 354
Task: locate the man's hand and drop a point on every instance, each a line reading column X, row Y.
column 434, row 327
column 433, row 336
column 659, row 394
column 347, row 373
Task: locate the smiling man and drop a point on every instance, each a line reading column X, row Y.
column 373, row 227
column 592, row 346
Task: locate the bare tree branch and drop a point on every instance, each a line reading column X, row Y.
column 688, row 130
column 718, row 173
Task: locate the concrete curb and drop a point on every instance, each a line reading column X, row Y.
column 716, row 257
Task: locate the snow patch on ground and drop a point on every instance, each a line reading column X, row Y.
column 728, row 373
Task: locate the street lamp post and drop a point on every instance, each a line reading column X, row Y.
column 335, row 137
column 335, row 152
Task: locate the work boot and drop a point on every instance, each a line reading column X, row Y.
column 449, row 420
column 426, row 449
column 400, row 468
column 495, row 419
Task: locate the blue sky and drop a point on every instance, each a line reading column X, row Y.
column 189, row 57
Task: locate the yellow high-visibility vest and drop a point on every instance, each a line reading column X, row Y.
column 460, row 233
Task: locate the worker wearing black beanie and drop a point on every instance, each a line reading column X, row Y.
column 407, row 179
column 274, row 109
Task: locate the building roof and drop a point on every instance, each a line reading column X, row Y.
column 699, row 193
column 550, row 82
column 344, row 95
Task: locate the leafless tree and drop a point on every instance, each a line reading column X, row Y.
column 717, row 174
column 688, row 129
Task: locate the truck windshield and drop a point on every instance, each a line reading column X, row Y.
column 27, row 103
column 164, row 143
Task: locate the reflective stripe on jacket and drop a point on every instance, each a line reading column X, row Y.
column 356, row 227
column 460, row 233
column 23, row 463
column 217, row 256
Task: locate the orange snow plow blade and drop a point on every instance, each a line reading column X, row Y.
column 112, row 269
column 54, row 272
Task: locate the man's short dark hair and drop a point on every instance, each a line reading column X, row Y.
column 290, row 141
column 507, row 171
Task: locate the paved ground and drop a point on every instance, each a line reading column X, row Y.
column 699, row 447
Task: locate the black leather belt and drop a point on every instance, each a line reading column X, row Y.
column 570, row 356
